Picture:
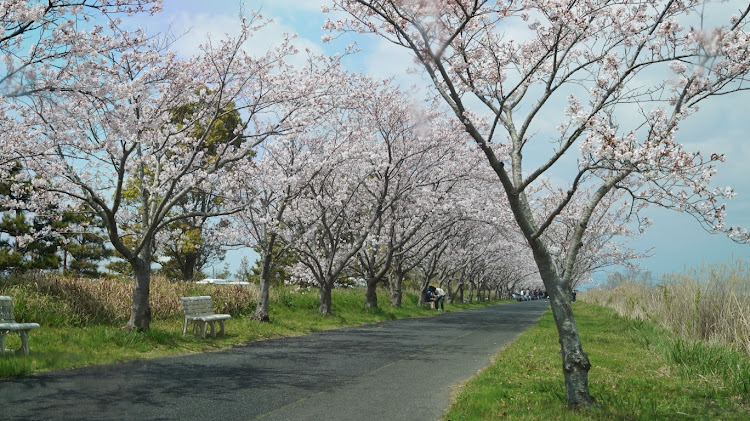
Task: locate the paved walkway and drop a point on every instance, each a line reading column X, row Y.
column 396, row 370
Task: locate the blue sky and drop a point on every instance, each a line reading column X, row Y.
column 677, row 240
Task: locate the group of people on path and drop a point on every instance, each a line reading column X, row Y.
column 537, row 294
column 528, row 295
column 436, row 295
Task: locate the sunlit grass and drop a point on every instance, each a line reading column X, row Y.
column 635, row 375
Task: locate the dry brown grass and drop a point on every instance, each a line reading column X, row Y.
column 709, row 303
column 78, row 301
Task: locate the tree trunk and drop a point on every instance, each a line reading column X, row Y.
column 325, row 297
column 188, row 266
column 423, row 293
column 450, row 295
column 371, row 294
column 140, row 311
column 397, row 280
column 261, row 307
column 575, row 362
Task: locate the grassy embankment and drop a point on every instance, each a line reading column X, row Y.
column 645, row 366
column 708, row 303
column 82, row 320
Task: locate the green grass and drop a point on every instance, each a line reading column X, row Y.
column 63, row 345
column 640, row 372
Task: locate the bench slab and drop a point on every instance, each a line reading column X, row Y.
column 18, row 326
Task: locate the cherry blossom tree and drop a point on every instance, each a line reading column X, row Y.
column 415, row 226
column 472, row 259
column 423, row 158
column 107, row 126
column 336, row 212
column 618, row 77
column 330, row 222
column 270, row 183
column 284, row 168
column 483, row 244
column 426, row 259
column 521, row 273
column 35, row 33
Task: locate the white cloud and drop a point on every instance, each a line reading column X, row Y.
column 195, row 29
column 288, row 5
column 383, row 60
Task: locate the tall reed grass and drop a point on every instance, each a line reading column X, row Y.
column 61, row 301
column 709, row 303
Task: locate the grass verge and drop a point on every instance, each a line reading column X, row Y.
column 63, row 345
column 640, row 372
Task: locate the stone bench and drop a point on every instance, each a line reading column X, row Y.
column 8, row 324
column 199, row 312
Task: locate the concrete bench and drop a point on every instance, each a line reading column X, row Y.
column 199, row 312
column 8, row 324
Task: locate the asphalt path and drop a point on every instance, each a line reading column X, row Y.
column 397, row 370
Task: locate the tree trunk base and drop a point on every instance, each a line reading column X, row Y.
column 129, row 328
column 262, row 318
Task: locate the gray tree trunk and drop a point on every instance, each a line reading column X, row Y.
column 140, row 311
column 324, row 295
column 396, row 285
column 261, row 307
column 371, row 294
column 575, row 362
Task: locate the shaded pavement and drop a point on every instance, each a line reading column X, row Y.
column 396, row 370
